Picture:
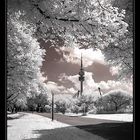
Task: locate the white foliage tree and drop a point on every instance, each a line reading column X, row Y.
column 88, row 23
column 92, row 23
column 114, row 101
column 120, row 53
column 24, row 57
column 61, row 106
column 83, row 103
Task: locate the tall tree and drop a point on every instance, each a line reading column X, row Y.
column 24, row 57
column 120, row 53
column 114, row 101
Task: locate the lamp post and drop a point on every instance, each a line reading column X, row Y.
column 84, row 109
column 100, row 91
column 52, row 106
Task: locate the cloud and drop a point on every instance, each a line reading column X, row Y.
column 89, row 83
column 53, row 87
column 91, row 87
column 56, row 89
column 73, row 55
column 119, row 85
column 72, row 78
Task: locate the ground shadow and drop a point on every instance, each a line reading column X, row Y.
column 103, row 131
column 111, row 131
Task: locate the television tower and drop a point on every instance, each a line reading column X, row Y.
column 81, row 77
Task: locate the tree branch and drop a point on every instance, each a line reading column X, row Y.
column 49, row 17
column 127, row 65
column 56, row 18
column 10, row 96
column 103, row 7
column 13, row 98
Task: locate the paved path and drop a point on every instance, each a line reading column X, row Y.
column 88, row 129
column 77, row 120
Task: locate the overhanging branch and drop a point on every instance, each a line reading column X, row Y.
column 13, row 98
column 59, row 18
column 56, row 18
column 103, row 7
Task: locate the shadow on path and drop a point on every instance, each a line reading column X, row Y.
column 103, row 131
column 111, row 131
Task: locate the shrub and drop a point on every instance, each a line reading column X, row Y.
column 47, row 108
column 60, row 106
column 113, row 102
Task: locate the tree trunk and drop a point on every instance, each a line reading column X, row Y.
column 116, row 108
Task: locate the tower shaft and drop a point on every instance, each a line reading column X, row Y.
column 81, row 87
column 81, row 77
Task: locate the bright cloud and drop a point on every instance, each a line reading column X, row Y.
column 53, row 87
column 73, row 55
column 58, row 90
column 72, row 78
column 89, row 84
column 91, row 87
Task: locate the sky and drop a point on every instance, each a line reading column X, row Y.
column 62, row 64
